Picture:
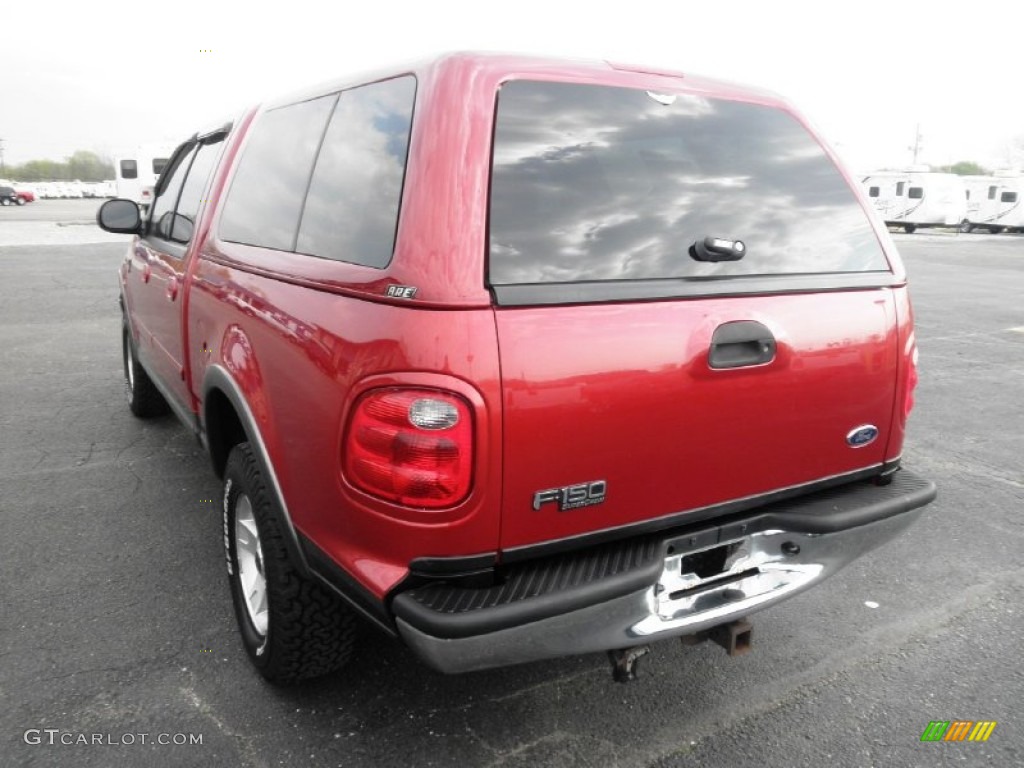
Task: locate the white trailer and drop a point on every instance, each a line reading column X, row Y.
column 136, row 171
column 996, row 202
column 917, row 199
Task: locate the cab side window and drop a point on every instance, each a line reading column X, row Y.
column 161, row 218
column 192, row 191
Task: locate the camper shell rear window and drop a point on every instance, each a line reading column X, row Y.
column 596, row 183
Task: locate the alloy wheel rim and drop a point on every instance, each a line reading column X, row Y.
column 249, row 554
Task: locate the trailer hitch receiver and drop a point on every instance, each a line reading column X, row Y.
column 736, row 637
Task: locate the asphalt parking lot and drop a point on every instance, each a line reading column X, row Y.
column 115, row 616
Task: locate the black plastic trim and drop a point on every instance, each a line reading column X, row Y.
column 557, row 585
column 533, row 591
column 341, row 582
column 307, row 557
column 218, row 377
column 686, row 288
column 464, row 565
column 691, row 516
column 217, row 134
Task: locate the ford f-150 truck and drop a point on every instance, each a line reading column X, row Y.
column 515, row 358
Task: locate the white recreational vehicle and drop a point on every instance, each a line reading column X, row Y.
column 996, row 202
column 913, row 199
column 136, row 172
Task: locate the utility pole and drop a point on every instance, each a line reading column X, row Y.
column 2, row 168
column 917, row 142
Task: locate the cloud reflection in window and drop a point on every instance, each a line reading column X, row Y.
column 602, row 183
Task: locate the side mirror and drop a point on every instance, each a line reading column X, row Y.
column 122, row 217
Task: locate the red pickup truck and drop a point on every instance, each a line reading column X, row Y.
column 515, row 358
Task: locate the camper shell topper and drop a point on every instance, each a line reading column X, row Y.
column 513, row 358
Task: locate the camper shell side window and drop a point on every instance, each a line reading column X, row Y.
column 873, row 192
column 1008, row 197
column 899, row 189
column 324, row 177
column 915, row 193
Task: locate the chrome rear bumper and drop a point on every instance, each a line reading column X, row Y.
column 760, row 570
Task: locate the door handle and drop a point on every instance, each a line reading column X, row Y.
column 741, row 344
column 172, row 287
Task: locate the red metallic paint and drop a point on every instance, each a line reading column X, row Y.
column 305, row 337
column 319, row 352
column 639, row 407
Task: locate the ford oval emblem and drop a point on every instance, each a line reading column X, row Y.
column 860, row 436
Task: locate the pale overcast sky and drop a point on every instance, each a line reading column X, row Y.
column 107, row 75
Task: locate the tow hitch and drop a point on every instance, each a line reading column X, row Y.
column 735, row 637
column 624, row 662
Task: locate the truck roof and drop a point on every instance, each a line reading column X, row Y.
column 499, row 67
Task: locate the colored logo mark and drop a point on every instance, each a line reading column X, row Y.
column 958, row 730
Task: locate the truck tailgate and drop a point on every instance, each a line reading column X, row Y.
column 613, row 415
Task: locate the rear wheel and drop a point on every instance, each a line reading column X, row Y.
column 5, row 201
column 995, row 230
column 21, row 201
column 291, row 627
column 965, row 226
column 909, row 228
column 144, row 399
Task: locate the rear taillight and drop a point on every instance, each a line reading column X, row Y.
column 908, row 396
column 413, row 447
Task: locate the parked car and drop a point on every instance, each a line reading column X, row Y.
column 8, row 196
column 514, row 358
column 25, row 195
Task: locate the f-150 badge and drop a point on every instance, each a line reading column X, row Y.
column 572, row 496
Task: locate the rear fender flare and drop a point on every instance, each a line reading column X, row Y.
column 219, row 378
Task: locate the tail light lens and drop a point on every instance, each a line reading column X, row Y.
column 908, row 396
column 413, row 447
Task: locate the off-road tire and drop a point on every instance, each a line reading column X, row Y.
column 309, row 631
column 144, row 399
